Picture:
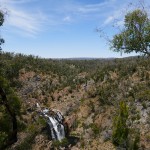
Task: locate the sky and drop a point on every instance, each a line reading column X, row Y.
column 63, row 28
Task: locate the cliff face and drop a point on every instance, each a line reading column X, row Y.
column 89, row 95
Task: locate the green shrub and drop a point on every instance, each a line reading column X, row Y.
column 3, row 137
column 41, row 121
column 120, row 129
column 95, row 129
column 62, row 143
column 144, row 105
column 144, row 95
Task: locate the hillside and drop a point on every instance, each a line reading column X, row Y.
column 93, row 96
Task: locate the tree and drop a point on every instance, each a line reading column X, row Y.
column 9, row 105
column 9, row 109
column 135, row 37
column 1, row 23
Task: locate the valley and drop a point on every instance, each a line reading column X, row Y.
column 98, row 98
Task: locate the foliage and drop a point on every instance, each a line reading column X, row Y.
column 120, row 129
column 12, row 99
column 9, row 110
column 1, row 23
column 9, row 106
column 124, row 136
column 63, row 143
column 130, row 82
column 135, row 36
column 95, row 129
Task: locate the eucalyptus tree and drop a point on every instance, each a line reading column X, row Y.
column 9, row 105
column 1, row 23
column 135, row 36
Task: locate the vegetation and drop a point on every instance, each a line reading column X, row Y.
column 1, row 23
column 63, row 81
column 59, row 144
column 135, row 36
column 9, row 107
column 113, row 80
column 120, row 129
column 95, row 129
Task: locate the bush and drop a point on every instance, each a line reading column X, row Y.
column 95, row 129
column 3, row 137
column 62, row 143
column 120, row 129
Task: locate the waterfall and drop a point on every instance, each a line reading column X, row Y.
column 57, row 129
column 55, row 122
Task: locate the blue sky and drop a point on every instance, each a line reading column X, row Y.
column 62, row 28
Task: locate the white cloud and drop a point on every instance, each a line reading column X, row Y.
column 32, row 21
column 115, row 17
column 16, row 1
column 23, row 21
column 29, row 23
column 109, row 20
column 53, row 13
column 67, row 19
column 91, row 8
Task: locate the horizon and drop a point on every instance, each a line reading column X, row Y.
column 70, row 58
column 63, row 29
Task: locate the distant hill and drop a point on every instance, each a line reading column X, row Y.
column 85, row 58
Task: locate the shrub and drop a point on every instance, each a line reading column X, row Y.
column 120, row 129
column 95, row 129
column 3, row 137
column 62, row 143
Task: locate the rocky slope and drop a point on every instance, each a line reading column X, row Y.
column 89, row 99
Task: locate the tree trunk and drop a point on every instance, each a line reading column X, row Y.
column 13, row 136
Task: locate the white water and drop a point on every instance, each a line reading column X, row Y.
column 55, row 123
column 56, row 129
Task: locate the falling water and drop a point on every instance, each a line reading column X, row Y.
column 55, row 122
column 57, row 129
